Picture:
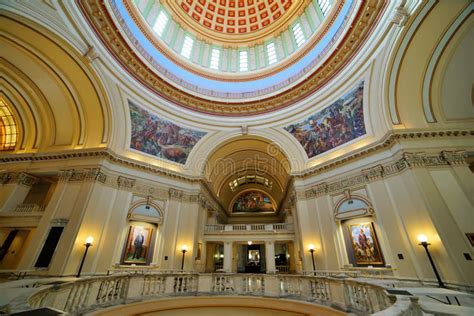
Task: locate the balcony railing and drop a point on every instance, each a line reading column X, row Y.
column 86, row 295
column 242, row 228
column 29, row 208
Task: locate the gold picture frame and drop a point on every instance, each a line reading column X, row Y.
column 364, row 244
column 137, row 246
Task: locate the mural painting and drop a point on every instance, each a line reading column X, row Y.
column 333, row 126
column 365, row 244
column 161, row 138
column 137, row 247
column 253, row 201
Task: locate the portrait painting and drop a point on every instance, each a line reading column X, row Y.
column 253, row 201
column 161, row 138
column 365, row 245
column 337, row 124
column 137, row 247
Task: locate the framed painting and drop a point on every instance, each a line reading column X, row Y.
column 137, row 247
column 365, row 245
column 253, row 201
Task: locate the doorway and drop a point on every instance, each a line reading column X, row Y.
column 251, row 259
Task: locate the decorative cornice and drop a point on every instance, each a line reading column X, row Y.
column 95, row 153
column 91, row 175
column 125, row 182
column 408, row 161
column 59, row 221
column 18, row 178
column 99, row 18
column 389, row 140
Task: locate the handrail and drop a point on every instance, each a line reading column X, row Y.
column 29, row 208
column 88, row 294
column 274, row 228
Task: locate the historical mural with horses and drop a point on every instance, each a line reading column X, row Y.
column 333, row 126
column 253, row 201
column 159, row 137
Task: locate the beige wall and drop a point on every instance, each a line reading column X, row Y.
column 431, row 200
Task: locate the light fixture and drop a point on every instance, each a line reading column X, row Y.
column 249, row 243
column 424, row 242
column 89, row 241
column 184, row 249
column 422, row 238
column 147, row 203
column 311, row 249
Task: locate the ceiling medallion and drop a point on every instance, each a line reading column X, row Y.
column 97, row 14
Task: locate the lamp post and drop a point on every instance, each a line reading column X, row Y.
column 424, row 242
column 311, row 249
column 89, row 241
column 184, row 249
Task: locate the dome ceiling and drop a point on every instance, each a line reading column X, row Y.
column 226, row 20
column 231, row 91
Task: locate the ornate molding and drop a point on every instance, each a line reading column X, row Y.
column 74, row 175
column 400, row 16
column 124, row 182
column 59, row 221
column 389, row 140
column 18, row 178
column 94, row 153
column 408, row 161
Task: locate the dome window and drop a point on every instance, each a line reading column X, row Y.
column 8, row 129
column 215, row 57
column 243, row 61
column 187, row 47
column 325, row 6
column 271, row 52
column 160, row 23
column 299, row 35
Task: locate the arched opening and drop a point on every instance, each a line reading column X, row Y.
column 8, row 128
column 250, row 178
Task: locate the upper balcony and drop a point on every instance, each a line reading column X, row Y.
column 217, row 229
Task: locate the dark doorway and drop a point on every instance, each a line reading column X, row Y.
column 254, row 262
column 49, row 247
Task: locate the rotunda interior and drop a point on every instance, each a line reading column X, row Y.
column 167, row 157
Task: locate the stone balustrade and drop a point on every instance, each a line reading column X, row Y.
column 243, row 228
column 29, row 208
column 88, row 294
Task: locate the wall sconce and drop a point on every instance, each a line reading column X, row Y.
column 89, row 241
column 184, row 249
column 424, row 242
column 249, row 243
column 311, row 249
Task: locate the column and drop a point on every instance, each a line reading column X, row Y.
column 270, row 256
column 228, row 256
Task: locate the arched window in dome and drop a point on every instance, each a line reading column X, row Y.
column 8, row 128
column 187, row 47
column 243, row 61
column 271, row 53
column 160, row 24
column 299, row 35
column 215, row 58
column 325, row 6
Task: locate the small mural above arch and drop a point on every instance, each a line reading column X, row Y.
column 253, row 201
column 145, row 210
column 352, row 205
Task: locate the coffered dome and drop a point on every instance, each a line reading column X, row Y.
column 229, row 21
column 185, row 51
